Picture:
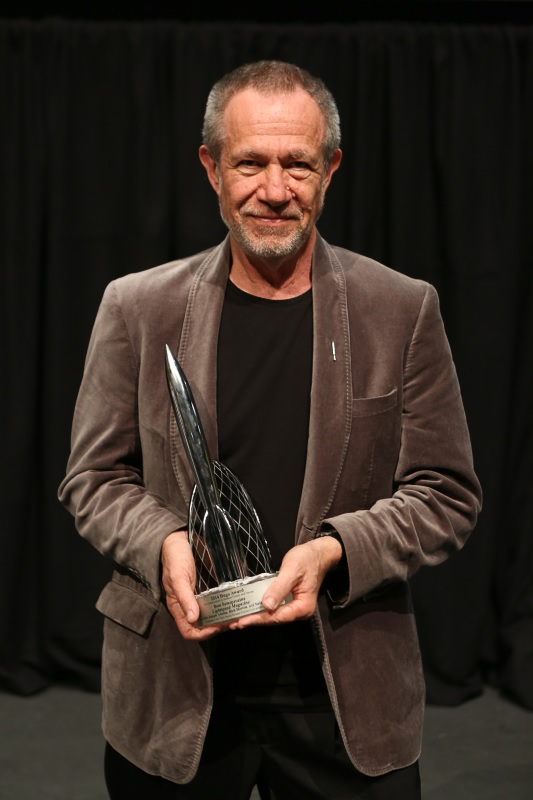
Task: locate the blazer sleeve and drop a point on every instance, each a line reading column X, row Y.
column 104, row 486
column 436, row 495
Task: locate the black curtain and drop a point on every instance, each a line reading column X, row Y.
column 100, row 125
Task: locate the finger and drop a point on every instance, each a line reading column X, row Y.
column 188, row 603
column 279, row 591
column 192, row 630
column 198, row 633
column 299, row 608
column 298, row 571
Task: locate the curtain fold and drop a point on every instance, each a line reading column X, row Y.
column 99, row 177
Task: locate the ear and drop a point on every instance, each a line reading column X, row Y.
column 210, row 167
column 333, row 166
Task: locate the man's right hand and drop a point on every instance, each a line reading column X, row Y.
column 178, row 577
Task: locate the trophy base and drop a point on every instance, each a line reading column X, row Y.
column 233, row 599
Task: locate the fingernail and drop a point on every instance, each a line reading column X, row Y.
column 269, row 603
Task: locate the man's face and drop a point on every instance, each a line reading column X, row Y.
column 271, row 179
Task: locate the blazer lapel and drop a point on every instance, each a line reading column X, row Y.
column 197, row 355
column 331, row 391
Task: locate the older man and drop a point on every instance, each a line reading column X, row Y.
column 325, row 382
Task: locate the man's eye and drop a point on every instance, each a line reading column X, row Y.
column 298, row 169
column 248, row 164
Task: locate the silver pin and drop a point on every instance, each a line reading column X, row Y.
column 333, row 350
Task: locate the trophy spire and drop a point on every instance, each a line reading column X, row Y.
column 220, row 536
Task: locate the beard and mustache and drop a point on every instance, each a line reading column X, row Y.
column 270, row 243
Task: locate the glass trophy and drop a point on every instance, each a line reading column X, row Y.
column 231, row 554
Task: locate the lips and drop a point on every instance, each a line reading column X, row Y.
column 272, row 220
column 272, row 217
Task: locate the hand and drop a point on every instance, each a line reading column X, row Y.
column 178, row 577
column 301, row 573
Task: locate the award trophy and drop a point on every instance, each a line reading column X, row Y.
column 231, row 554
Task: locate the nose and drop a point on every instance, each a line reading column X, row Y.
column 273, row 187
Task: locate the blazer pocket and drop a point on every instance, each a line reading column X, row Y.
column 127, row 607
column 372, row 453
column 369, row 406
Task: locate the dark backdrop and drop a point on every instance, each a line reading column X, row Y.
column 99, row 129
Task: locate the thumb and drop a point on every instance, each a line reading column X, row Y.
column 278, row 592
column 187, row 601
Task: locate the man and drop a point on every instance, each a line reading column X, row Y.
column 325, row 382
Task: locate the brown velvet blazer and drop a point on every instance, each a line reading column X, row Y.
column 389, row 466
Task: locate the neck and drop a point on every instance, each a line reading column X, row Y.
column 273, row 280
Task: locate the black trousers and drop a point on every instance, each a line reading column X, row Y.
column 289, row 755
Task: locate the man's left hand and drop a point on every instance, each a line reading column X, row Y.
column 301, row 574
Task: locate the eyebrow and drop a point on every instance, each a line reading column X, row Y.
column 253, row 154
column 300, row 155
column 293, row 155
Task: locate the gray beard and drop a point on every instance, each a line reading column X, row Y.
column 270, row 245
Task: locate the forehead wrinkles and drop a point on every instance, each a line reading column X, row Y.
column 251, row 115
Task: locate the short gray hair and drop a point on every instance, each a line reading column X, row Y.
column 269, row 77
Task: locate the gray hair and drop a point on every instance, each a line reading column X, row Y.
column 269, row 77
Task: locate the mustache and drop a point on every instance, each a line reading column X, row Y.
column 268, row 213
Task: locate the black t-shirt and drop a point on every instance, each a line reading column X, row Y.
column 265, row 353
